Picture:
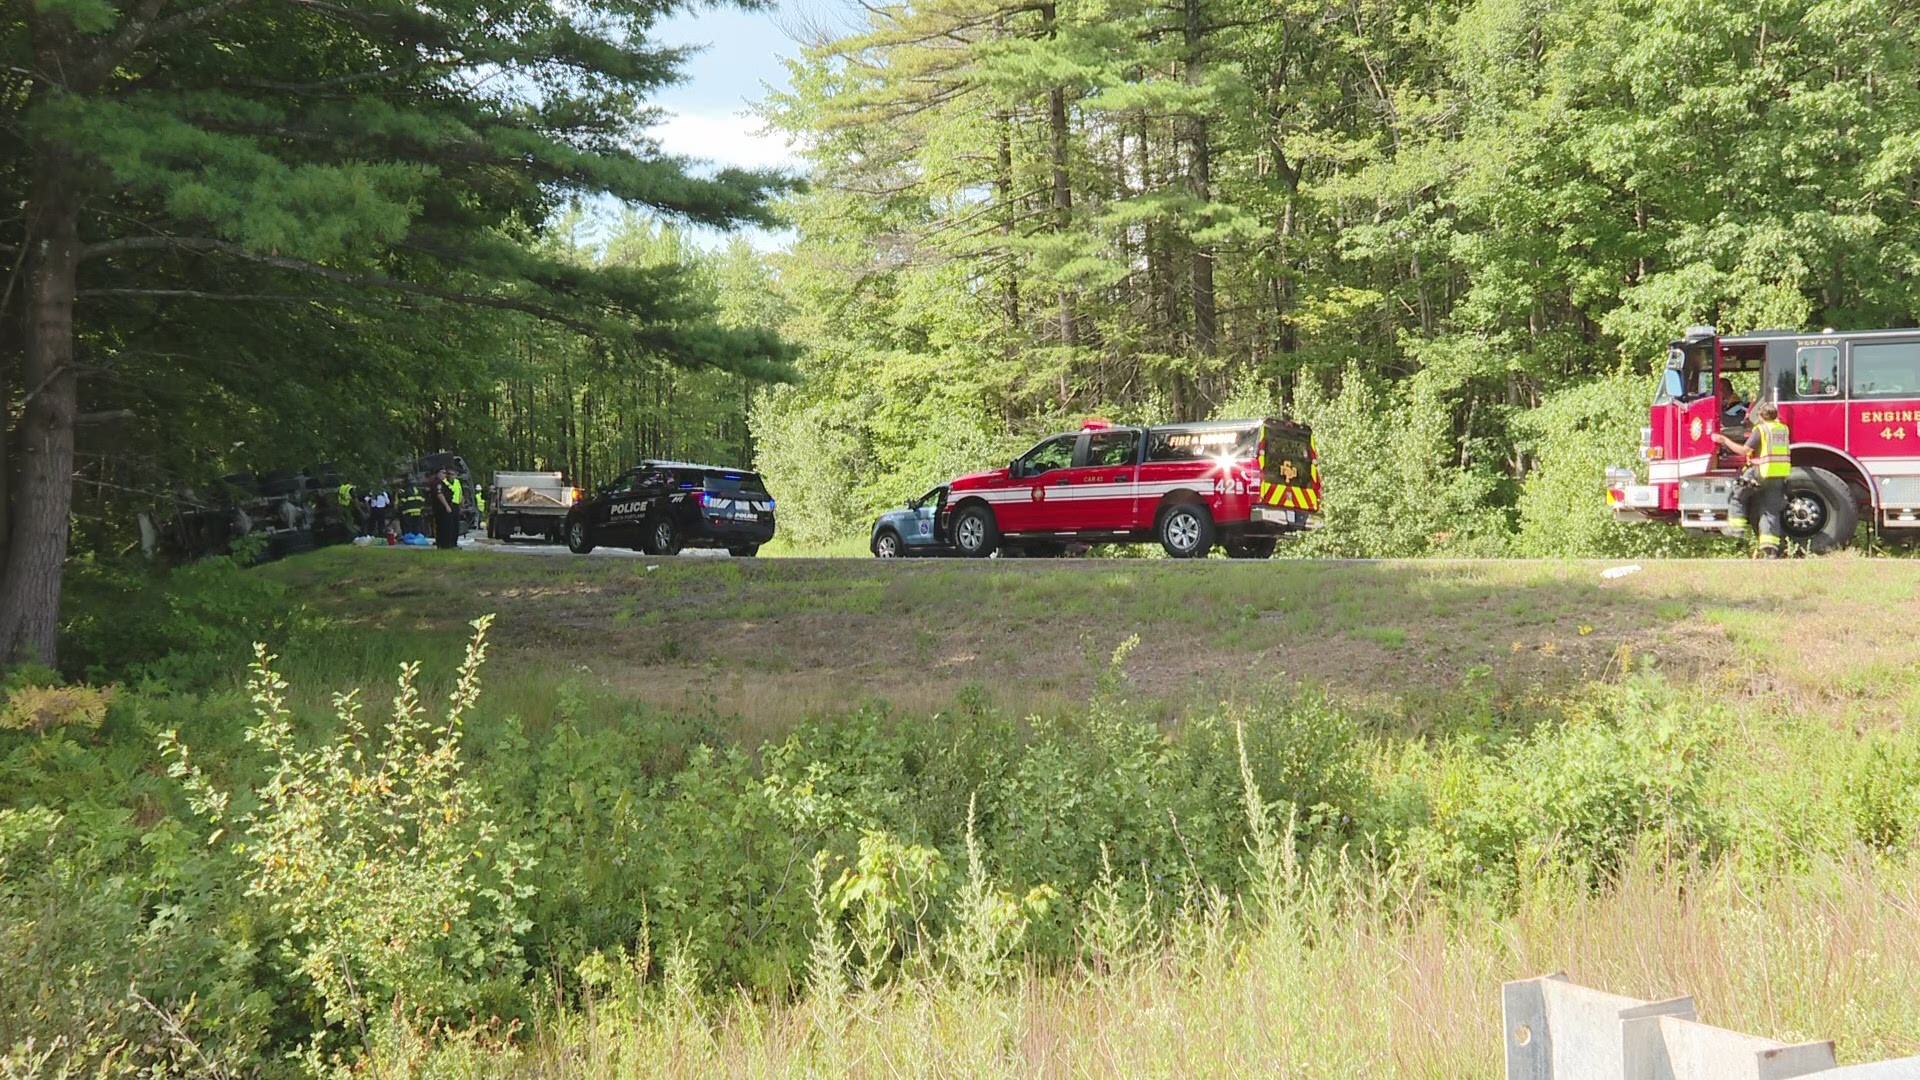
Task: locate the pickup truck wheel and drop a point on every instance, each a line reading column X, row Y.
column 579, row 540
column 663, row 538
column 1186, row 531
column 1258, row 547
column 886, row 545
column 744, row 551
column 975, row 533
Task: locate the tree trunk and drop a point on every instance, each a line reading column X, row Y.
column 1206, row 316
column 37, row 541
column 1062, row 186
column 1003, row 187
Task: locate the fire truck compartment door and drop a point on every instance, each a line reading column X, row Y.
column 1705, row 493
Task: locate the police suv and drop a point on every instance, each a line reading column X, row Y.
column 660, row 507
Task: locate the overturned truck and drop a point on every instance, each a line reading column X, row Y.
column 273, row 515
column 264, row 516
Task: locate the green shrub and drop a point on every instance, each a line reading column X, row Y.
column 1633, row 762
column 186, row 628
column 1881, row 792
column 1572, row 437
column 1392, row 476
column 381, row 857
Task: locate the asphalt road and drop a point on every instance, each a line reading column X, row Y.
column 530, row 547
column 1618, row 567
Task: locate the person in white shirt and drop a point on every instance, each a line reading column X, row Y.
column 377, row 505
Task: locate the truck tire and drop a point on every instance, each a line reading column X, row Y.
column 1252, row 547
column 744, row 551
column 1821, row 514
column 663, row 537
column 1185, row 530
column 886, row 545
column 975, row 533
column 579, row 539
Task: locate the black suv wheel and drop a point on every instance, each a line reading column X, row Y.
column 579, row 540
column 662, row 537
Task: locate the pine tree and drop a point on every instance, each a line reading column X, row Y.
column 350, row 153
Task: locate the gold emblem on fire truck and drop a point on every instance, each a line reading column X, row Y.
column 1287, row 470
column 1697, row 428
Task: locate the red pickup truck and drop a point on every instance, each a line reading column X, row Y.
column 1241, row 484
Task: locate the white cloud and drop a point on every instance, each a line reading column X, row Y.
column 723, row 138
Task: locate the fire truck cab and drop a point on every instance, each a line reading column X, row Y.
column 1851, row 401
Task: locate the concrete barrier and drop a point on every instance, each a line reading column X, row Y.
column 1559, row 1030
column 1669, row 1048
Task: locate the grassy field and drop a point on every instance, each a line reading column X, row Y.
column 1357, row 972
column 1062, row 818
column 771, row 641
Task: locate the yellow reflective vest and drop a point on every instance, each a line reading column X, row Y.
column 1773, row 460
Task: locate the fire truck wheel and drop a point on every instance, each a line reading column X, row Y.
column 975, row 533
column 579, row 540
column 1821, row 513
column 1258, row 547
column 1186, row 531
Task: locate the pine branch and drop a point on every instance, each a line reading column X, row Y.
column 327, row 273
column 188, row 294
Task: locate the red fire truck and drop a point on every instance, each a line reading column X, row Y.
column 1851, row 401
column 1239, row 483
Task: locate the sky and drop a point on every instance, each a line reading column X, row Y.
column 740, row 57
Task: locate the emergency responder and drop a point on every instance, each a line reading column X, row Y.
column 446, row 511
column 459, row 489
column 413, row 506
column 480, row 507
column 1763, row 485
column 378, row 505
column 349, row 507
column 1732, row 409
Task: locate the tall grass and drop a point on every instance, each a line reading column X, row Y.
column 1348, row 975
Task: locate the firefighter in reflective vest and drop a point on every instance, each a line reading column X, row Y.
column 1764, row 483
column 413, row 506
column 349, row 507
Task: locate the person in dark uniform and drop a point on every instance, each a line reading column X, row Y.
column 446, row 513
column 1768, row 452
